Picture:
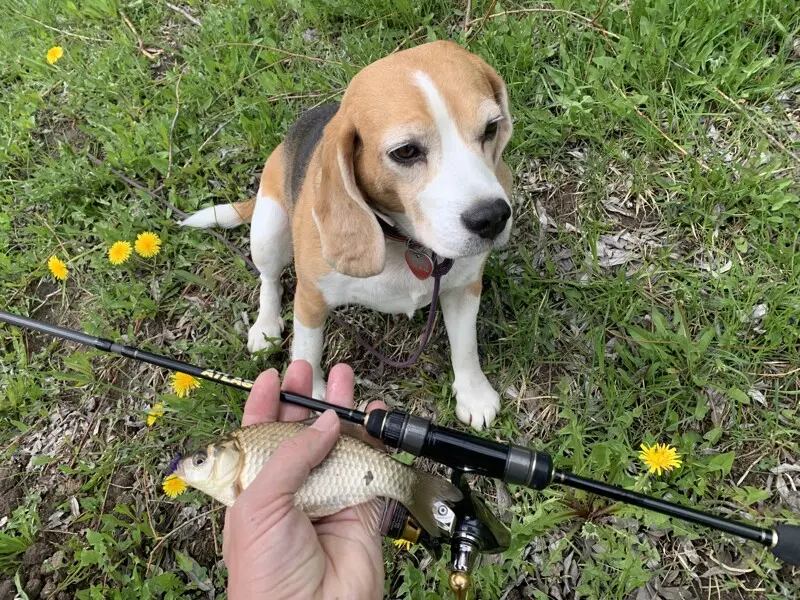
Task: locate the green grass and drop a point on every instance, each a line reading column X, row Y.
column 675, row 122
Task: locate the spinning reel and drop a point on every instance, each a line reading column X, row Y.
column 469, row 528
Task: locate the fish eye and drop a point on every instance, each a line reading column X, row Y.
column 199, row 459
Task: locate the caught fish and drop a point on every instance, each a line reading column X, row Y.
column 353, row 474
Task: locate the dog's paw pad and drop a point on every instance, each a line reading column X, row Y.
column 477, row 403
column 263, row 336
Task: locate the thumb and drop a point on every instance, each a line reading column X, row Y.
column 289, row 466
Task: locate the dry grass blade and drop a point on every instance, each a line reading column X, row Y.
column 675, row 144
column 185, row 14
column 62, row 32
column 164, row 538
column 285, row 52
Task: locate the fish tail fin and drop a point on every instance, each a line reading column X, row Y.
column 424, row 494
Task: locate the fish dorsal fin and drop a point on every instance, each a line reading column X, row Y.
column 354, row 431
column 371, row 514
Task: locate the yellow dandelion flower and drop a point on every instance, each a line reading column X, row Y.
column 403, row 544
column 660, row 457
column 183, row 384
column 155, row 413
column 147, row 244
column 119, row 253
column 54, row 54
column 57, row 268
column 173, row 486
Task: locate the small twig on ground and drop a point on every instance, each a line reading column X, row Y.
column 750, row 468
column 405, row 41
column 163, row 539
column 375, row 20
column 246, row 77
column 181, row 11
column 58, row 239
column 150, row 53
column 661, row 133
column 145, row 488
column 174, row 209
column 600, row 12
column 105, row 497
column 467, row 11
column 214, row 535
column 778, row 144
column 481, row 21
column 214, row 133
column 113, row 381
column 556, row 11
column 328, row 97
column 62, row 32
column 175, row 118
column 786, row 374
column 88, row 429
column 286, row 52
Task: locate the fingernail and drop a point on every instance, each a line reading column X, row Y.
column 326, row 421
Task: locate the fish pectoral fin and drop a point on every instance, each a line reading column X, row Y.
column 370, row 514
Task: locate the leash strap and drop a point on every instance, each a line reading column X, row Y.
column 439, row 270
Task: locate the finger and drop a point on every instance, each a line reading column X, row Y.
column 340, row 386
column 298, row 379
column 366, row 437
column 263, row 402
column 377, row 404
column 290, row 464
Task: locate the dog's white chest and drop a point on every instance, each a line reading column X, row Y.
column 396, row 290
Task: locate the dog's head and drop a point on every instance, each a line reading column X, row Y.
column 418, row 137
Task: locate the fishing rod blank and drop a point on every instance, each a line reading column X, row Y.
column 468, row 453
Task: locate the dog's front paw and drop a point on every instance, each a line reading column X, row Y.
column 477, row 403
column 319, row 389
column 264, row 334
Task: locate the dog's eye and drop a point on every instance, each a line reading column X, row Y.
column 406, row 154
column 490, row 131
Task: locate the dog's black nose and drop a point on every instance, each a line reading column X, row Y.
column 488, row 218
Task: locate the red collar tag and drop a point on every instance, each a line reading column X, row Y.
column 420, row 264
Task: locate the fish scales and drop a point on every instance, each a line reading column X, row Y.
column 351, row 474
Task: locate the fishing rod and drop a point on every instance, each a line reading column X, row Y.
column 471, row 526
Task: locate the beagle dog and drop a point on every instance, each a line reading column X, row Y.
column 414, row 146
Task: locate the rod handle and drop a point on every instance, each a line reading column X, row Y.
column 788, row 546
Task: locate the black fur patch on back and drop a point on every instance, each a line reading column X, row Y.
column 299, row 145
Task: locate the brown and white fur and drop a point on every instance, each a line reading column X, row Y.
column 324, row 187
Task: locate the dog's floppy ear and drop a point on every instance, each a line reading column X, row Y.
column 352, row 240
column 505, row 127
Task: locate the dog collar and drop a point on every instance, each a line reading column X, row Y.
column 422, row 261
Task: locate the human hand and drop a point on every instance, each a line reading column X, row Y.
column 271, row 549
